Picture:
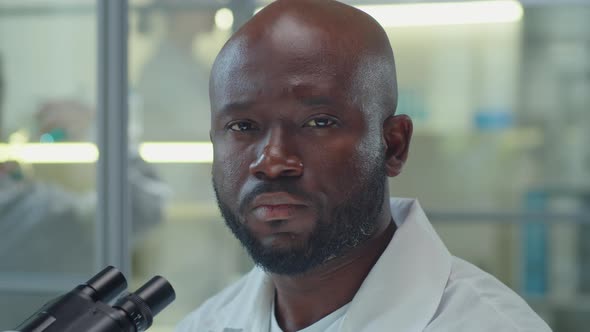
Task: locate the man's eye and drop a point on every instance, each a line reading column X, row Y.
column 320, row 123
column 242, row 126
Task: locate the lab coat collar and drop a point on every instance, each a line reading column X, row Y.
column 404, row 288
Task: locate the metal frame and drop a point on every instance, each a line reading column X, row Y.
column 113, row 212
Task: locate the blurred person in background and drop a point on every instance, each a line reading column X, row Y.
column 34, row 214
column 173, row 84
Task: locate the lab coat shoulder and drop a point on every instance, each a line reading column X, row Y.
column 474, row 300
column 205, row 317
column 233, row 305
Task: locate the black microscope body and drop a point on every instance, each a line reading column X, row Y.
column 86, row 308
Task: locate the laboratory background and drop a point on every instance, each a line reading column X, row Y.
column 105, row 155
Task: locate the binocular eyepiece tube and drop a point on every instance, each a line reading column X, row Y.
column 86, row 308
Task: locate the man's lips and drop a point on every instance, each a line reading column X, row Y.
column 276, row 199
column 276, row 206
column 275, row 212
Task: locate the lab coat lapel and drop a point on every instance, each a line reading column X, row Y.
column 404, row 288
column 249, row 310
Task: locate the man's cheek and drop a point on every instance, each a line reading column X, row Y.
column 231, row 169
column 344, row 180
column 328, row 181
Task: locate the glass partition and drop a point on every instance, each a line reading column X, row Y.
column 498, row 159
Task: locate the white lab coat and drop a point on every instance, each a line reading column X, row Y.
column 416, row 285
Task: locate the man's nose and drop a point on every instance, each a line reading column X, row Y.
column 277, row 159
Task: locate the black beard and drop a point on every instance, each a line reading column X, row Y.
column 350, row 224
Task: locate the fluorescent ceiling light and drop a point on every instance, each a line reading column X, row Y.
column 84, row 153
column 49, row 153
column 445, row 13
column 195, row 152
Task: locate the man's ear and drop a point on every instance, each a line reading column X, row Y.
column 397, row 133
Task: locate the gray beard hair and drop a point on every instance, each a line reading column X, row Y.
column 349, row 225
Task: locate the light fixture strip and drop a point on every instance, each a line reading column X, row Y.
column 83, row 153
column 445, row 13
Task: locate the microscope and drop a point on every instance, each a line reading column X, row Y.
column 86, row 308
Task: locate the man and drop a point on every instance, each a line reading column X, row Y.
column 303, row 126
column 34, row 214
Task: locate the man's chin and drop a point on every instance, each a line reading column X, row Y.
column 284, row 242
column 283, row 259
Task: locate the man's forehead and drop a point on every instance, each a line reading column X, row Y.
column 289, row 40
column 291, row 55
column 325, row 46
column 258, row 86
column 291, row 34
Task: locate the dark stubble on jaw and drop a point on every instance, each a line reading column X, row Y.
column 350, row 224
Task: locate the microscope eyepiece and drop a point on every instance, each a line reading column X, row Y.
column 157, row 293
column 107, row 284
column 146, row 302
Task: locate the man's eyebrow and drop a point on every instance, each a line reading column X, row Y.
column 236, row 106
column 317, row 101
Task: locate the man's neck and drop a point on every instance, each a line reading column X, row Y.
column 303, row 300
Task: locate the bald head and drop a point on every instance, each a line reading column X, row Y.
column 312, row 40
